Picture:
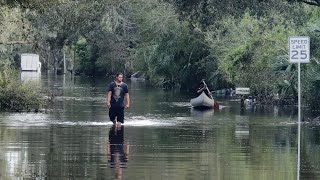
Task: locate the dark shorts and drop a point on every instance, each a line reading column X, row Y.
column 116, row 112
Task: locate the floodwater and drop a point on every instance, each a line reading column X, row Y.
column 162, row 138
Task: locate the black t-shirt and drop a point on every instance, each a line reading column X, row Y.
column 117, row 94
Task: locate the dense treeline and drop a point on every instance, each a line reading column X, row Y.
column 175, row 42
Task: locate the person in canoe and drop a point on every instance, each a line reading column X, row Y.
column 204, row 88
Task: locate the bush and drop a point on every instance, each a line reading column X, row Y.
column 15, row 95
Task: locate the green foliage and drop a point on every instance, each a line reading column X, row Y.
column 64, row 23
column 204, row 13
column 311, row 71
column 14, row 95
column 286, row 84
column 169, row 50
column 28, row 4
column 312, row 86
column 87, row 58
column 175, row 42
column 247, row 48
column 83, row 56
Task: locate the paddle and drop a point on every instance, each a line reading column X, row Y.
column 207, row 89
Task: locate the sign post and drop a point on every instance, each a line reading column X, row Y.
column 299, row 52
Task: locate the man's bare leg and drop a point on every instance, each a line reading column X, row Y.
column 115, row 123
column 118, row 123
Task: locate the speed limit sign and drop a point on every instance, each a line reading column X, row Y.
column 299, row 52
column 299, row 49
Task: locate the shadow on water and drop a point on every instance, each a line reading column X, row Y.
column 118, row 150
column 202, row 113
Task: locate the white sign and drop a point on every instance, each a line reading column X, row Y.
column 30, row 62
column 299, row 49
column 242, row 90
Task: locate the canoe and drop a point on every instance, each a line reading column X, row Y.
column 202, row 101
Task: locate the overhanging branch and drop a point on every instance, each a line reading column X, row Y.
column 15, row 42
column 317, row 3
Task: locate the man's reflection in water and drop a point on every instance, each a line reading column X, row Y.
column 118, row 150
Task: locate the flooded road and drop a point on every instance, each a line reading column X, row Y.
column 162, row 138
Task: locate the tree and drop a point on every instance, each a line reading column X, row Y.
column 247, row 48
column 309, row 2
column 64, row 23
column 168, row 50
column 203, row 13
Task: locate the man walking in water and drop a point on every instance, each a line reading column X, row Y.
column 117, row 92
